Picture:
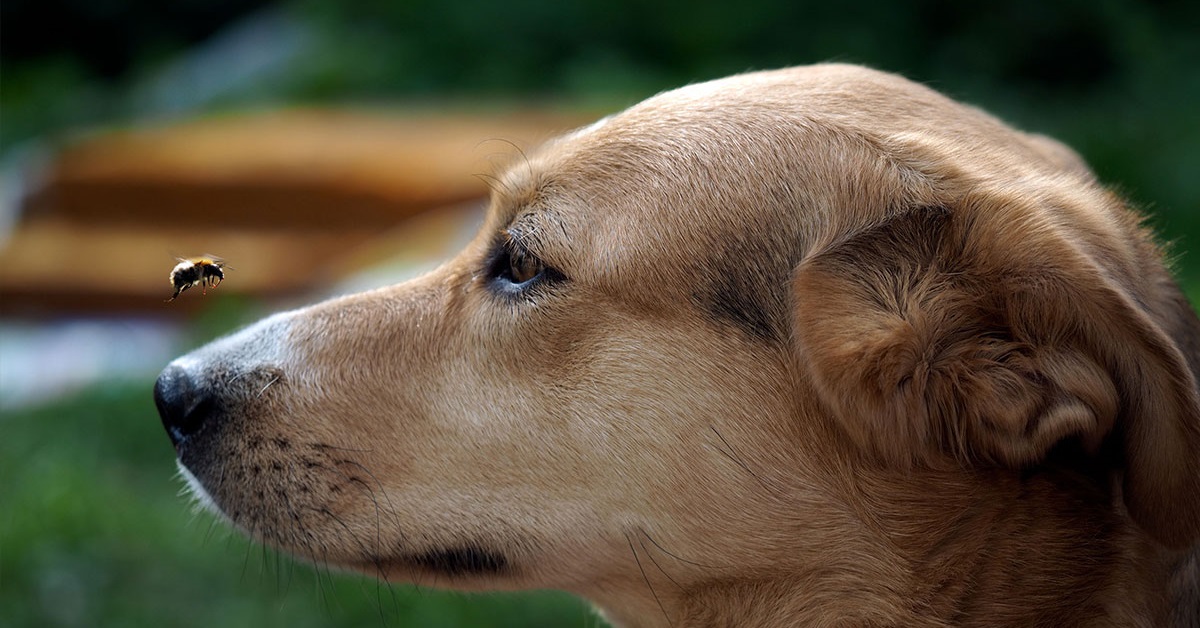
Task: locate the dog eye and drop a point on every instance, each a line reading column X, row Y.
column 513, row 269
column 522, row 267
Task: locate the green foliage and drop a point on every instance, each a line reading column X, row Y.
column 93, row 532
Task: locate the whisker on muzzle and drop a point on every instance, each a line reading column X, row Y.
column 273, row 381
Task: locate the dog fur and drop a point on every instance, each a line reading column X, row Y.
column 816, row 346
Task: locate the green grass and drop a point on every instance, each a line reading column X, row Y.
column 93, row 532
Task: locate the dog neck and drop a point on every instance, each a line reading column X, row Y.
column 1000, row 537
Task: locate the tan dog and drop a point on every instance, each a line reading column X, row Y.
column 809, row 347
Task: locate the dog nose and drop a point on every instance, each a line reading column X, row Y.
column 182, row 405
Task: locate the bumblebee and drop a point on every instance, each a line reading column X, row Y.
column 206, row 272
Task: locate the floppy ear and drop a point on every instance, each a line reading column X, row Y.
column 986, row 335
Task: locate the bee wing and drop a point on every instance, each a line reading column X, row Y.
column 219, row 261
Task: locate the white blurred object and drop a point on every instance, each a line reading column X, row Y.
column 43, row 361
column 23, row 170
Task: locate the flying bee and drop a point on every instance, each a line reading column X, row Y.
column 205, row 272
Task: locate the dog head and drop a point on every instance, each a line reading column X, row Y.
column 715, row 337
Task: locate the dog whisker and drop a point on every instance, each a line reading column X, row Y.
column 647, row 581
column 268, row 385
column 494, row 184
column 290, row 564
column 316, row 554
column 671, row 554
column 520, row 151
column 249, row 549
column 212, row 526
column 364, row 550
column 732, row 455
column 370, row 493
column 663, row 571
column 276, row 569
column 316, row 551
column 391, row 507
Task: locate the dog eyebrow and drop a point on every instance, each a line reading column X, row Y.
column 739, row 300
column 743, row 288
column 542, row 232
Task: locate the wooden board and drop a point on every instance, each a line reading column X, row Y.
column 285, row 197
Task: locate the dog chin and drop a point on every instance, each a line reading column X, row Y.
column 200, row 497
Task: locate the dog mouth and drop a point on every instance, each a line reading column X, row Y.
column 300, row 493
column 458, row 561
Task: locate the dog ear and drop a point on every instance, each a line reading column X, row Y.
column 993, row 339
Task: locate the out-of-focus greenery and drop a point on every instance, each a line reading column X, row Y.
column 93, row 532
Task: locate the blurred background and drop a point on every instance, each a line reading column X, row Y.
column 324, row 147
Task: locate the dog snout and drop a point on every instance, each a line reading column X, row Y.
column 183, row 405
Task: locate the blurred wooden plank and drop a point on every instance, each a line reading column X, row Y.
column 52, row 265
column 416, row 246
column 285, row 169
column 286, row 198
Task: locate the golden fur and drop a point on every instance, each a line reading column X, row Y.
column 816, row 346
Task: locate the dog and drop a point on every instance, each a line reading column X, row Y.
column 806, row 347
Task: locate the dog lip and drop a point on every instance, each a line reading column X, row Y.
column 456, row 561
column 199, row 493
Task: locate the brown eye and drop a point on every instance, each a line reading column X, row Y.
column 522, row 267
column 512, row 270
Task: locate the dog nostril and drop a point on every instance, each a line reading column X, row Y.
column 182, row 405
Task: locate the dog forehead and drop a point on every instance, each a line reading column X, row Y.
column 698, row 139
column 679, row 174
column 683, row 179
